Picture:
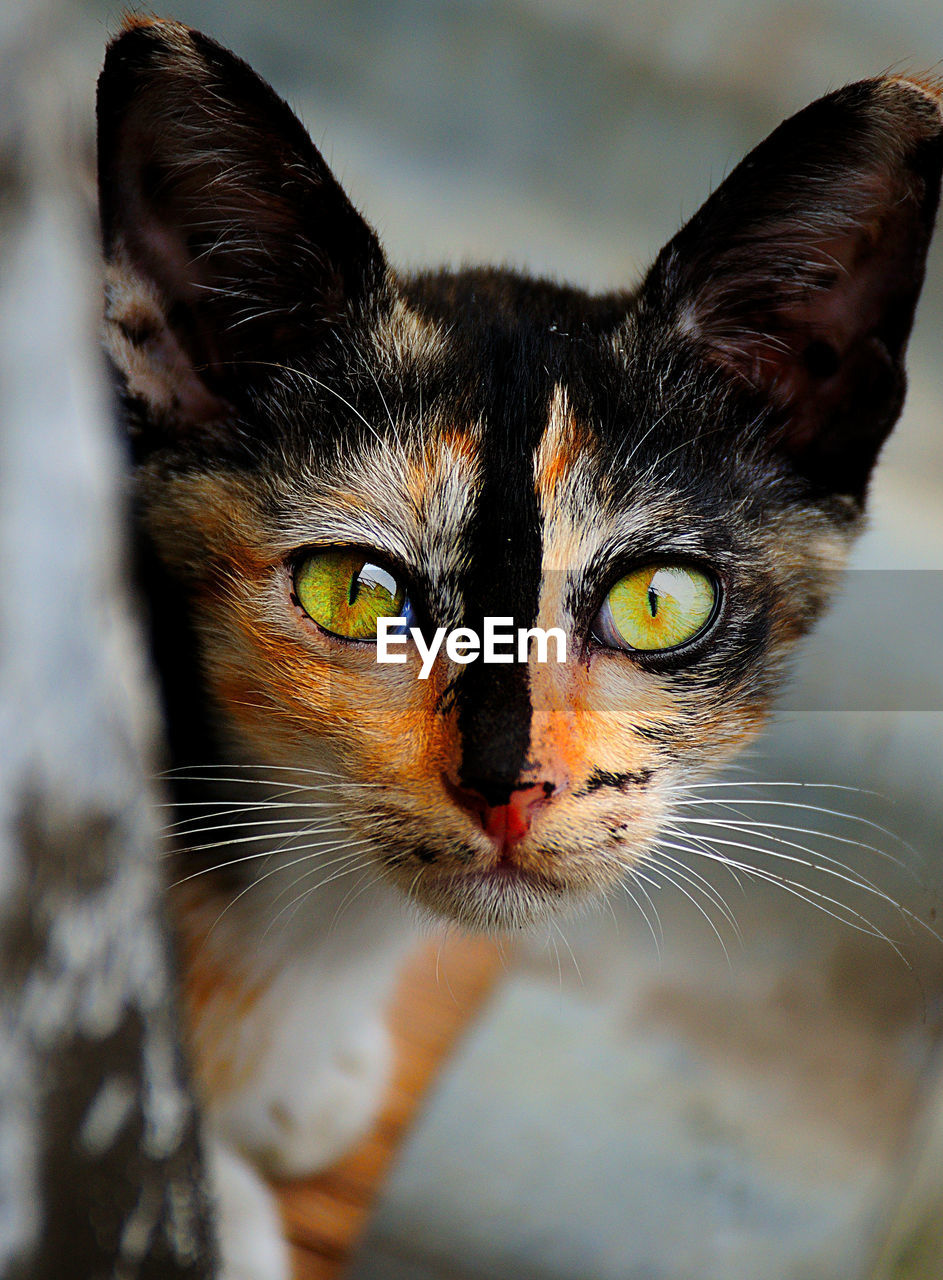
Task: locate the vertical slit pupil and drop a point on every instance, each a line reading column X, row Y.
column 653, row 600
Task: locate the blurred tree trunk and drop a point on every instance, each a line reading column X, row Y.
column 100, row 1165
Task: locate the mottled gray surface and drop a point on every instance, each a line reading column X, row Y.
column 653, row 1167
column 99, row 1146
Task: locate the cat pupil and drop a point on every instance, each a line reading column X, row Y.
column 653, row 600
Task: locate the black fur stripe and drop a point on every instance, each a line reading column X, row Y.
column 494, row 703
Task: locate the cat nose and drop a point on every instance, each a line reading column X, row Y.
column 504, row 812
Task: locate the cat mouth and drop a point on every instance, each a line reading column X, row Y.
column 483, row 885
column 503, row 896
column 506, row 872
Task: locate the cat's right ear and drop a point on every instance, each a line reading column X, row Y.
column 230, row 247
column 799, row 277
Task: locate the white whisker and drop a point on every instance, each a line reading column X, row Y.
column 176, row 770
column 814, row 862
column 694, row 902
column 757, row 827
column 192, row 826
column 349, row 866
column 659, row 937
column 263, row 853
column 320, row 865
column 555, row 925
column 763, row 785
column 805, row 893
column 309, row 829
column 368, row 877
column 698, row 883
column 858, row 818
column 282, row 866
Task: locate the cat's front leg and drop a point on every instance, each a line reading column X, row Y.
column 291, row 1042
column 312, row 1091
column 249, row 1230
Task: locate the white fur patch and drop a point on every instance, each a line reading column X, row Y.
column 325, row 1057
column 248, row 1223
column 409, row 336
column 567, row 484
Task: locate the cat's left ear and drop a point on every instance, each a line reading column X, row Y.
column 800, row 275
column 230, row 246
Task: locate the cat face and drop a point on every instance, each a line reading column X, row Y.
column 670, row 476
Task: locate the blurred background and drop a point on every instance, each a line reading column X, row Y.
column 659, row 1095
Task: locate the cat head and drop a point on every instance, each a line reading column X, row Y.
column 670, row 475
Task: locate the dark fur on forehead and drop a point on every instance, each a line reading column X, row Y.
column 775, row 321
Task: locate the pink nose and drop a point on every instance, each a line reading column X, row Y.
column 507, row 823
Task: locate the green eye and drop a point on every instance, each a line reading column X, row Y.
column 345, row 592
column 657, row 607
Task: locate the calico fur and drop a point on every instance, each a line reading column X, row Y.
column 510, row 447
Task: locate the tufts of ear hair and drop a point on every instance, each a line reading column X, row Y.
column 229, row 243
column 800, row 275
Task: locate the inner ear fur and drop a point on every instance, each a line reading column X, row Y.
column 230, row 245
column 800, row 275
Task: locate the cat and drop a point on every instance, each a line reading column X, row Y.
column 670, row 474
